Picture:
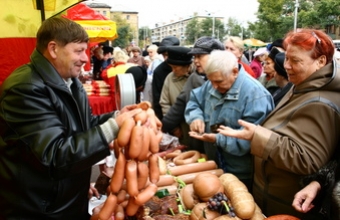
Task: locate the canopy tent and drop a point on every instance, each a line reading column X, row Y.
column 253, row 43
column 98, row 27
column 19, row 27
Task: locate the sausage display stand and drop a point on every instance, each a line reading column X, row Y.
column 173, row 184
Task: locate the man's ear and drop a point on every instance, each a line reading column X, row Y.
column 235, row 71
column 52, row 49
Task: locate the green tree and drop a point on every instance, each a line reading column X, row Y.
column 307, row 16
column 219, row 29
column 193, row 31
column 329, row 12
column 276, row 18
column 231, row 28
column 197, row 28
column 124, row 31
column 206, row 27
column 144, row 36
column 125, row 37
column 271, row 16
column 235, row 28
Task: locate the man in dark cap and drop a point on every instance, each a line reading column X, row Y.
column 201, row 51
column 161, row 72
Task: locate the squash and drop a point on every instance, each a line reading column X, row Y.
column 201, row 212
column 206, row 185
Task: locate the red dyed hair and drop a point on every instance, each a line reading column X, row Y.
column 311, row 40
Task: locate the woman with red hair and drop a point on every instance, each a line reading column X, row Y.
column 301, row 134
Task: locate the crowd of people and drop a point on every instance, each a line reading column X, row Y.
column 273, row 121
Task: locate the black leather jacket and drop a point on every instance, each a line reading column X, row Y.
column 49, row 142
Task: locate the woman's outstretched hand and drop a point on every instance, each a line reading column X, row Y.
column 246, row 133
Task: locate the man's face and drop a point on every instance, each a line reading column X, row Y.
column 135, row 53
column 165, row 55
column 107, row 56
column 222, row 83
column 200, row 61
column 152, row 53
column 179, row 70
column 70, row 59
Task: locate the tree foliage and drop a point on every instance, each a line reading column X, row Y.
column 197, row 28
column 276, row 18
column 124, row 31
column 144, row 36
column 236, row 28
column 271, row 20
column 193, row 31
column 329, row 12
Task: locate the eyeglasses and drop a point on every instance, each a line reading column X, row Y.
column 316, row 36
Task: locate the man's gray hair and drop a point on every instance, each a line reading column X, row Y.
column 221, row 61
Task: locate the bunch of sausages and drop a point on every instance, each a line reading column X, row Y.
column 136, row 171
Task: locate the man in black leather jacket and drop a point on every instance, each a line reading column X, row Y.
column 49, row 137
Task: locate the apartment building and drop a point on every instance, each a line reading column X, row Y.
column 101, row 8
column 175, row 28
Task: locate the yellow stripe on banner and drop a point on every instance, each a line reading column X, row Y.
column 99, row 30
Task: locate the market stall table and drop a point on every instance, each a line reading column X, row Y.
column 102, row 104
